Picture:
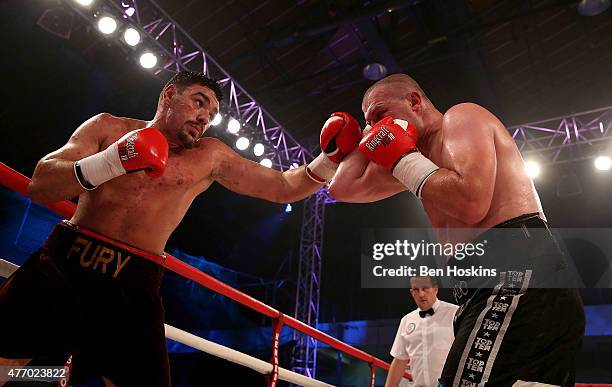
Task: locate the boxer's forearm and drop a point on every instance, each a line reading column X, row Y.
column 457, row 197
column 297, row 185
column 54, row 180
column 246, row 177
column 360, row 181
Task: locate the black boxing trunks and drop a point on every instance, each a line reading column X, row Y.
column 511, row 331
column 87, row 297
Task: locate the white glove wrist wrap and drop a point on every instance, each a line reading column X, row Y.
column 102, row 166
column 412, row 171
column 321, row 169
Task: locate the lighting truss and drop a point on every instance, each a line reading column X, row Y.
column 179, row 51
column 568, row 138
column 309, row 282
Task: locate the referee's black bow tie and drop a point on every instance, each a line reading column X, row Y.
column 424, row 313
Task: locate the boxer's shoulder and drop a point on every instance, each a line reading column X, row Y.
column 212, row 147
column 123, row 124
column 205, row 153
column 466, row 108
column 108, row 128
column 466, row 116
column 109, row 121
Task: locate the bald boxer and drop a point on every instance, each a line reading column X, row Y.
column 89, row 296
column 468, row 173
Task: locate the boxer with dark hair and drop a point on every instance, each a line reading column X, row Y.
column 83, row 292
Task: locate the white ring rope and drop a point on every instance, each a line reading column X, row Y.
column 7, row 268
column 234, row 356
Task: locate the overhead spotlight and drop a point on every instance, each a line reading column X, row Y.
column 233, row 126
column 294, row 166
column 533, row 169
column 84, row 3
column 603, row 163
column 242, row 143
column 130, row 11
column 131, row 36
column 288, row 208
column 148, row 60
column 258, row 149
column 217, row 120
column 266, row 163
column 107, row 25
column 593, row 7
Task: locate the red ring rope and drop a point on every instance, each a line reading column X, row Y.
column 19, row 183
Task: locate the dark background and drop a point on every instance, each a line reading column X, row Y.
column 523, row 60
column 51, row 85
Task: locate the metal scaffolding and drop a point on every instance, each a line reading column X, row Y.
column 179, row 51
column 564, row 139
column 559, row 140
column 309, row 282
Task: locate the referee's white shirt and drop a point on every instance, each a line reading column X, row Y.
column 425, row 341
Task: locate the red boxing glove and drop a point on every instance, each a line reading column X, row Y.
column 388, row 141
column 392, row 144
column 340, row 136
column 143, row 149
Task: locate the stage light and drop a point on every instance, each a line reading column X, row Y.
column 84, row 3
column 294, row 166
column 148, row 60
column 288, row 208
column 233, row 126
column 533, row 169
column 603, row 163
column 107, row 25
column 258, row 149
column 242, row 143
column 217, row 120
column 266, row 163
column 131, row 36
column 130, row 11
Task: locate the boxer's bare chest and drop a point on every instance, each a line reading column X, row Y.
column 185, row 170
column 183, row 179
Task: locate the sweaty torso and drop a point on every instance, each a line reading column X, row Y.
column 141, row 211
column 513, row 193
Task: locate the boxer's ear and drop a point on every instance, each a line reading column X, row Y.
column 167, row 94
column 170, row 91
column 414, row 100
